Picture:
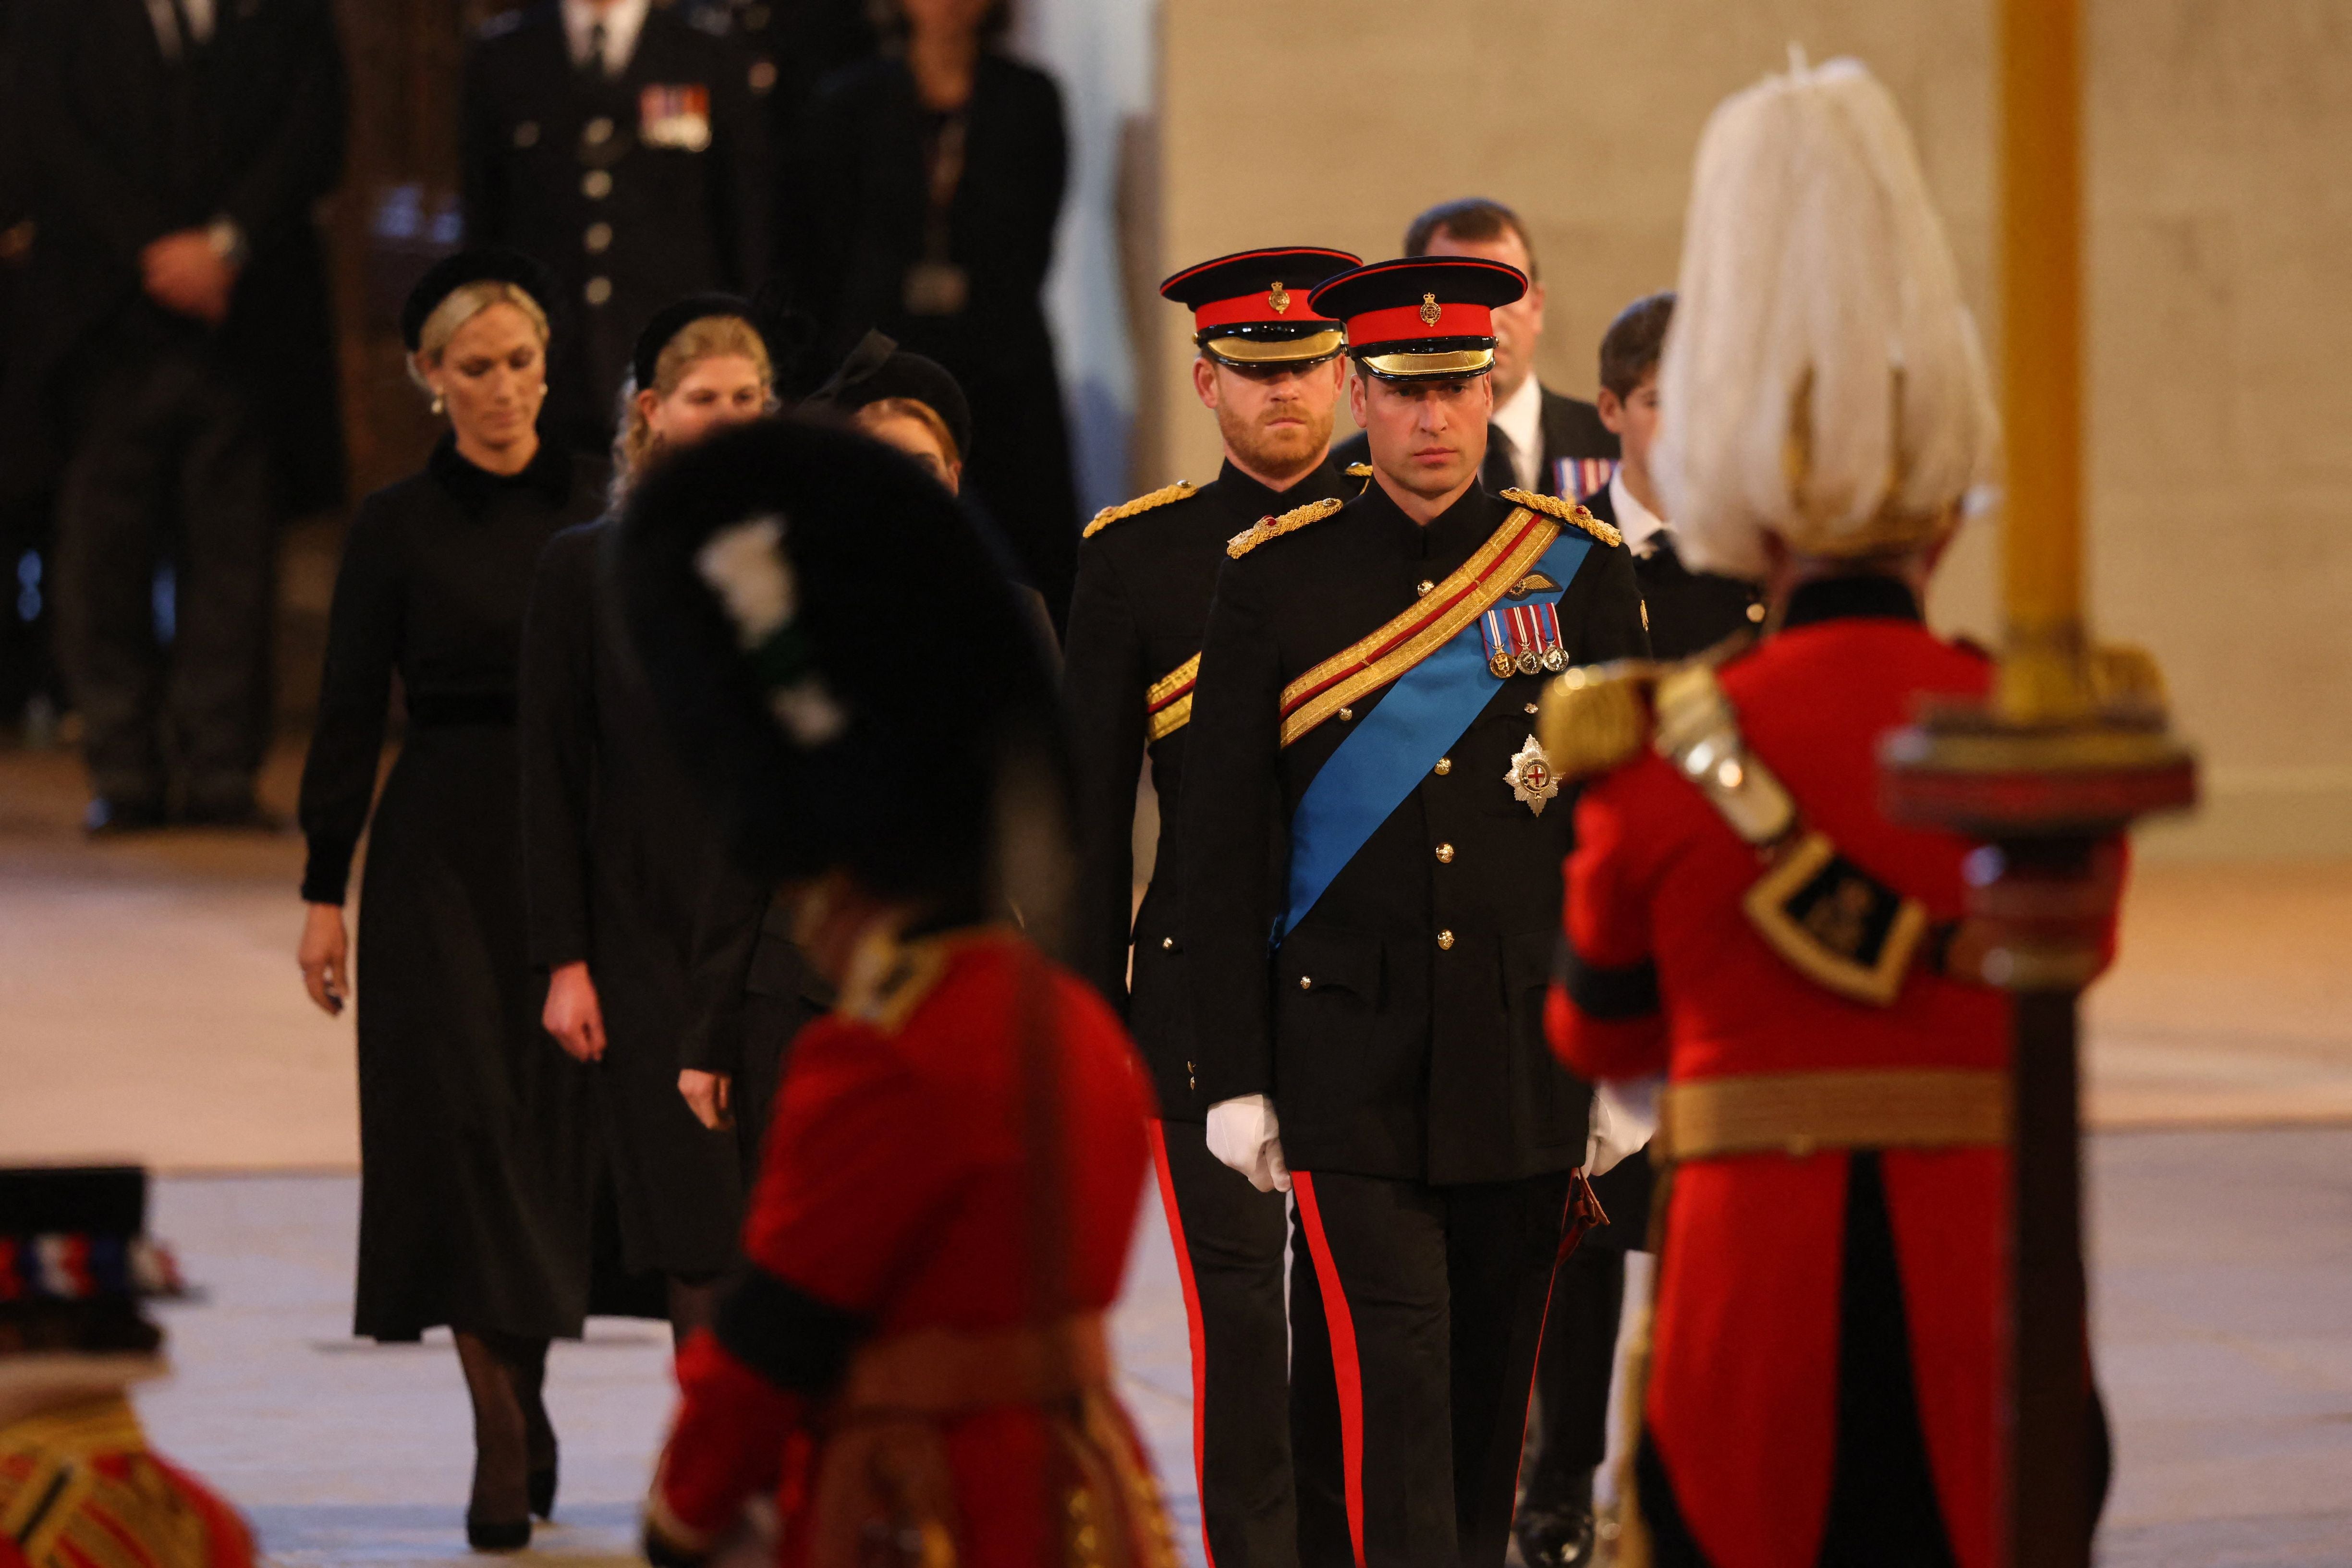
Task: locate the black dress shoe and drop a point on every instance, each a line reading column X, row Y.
column 1555, row 1537
column 541, row 1484
column 108, row 815
column 496, row 1534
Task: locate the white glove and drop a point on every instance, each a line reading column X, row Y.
column 1244, row 1134
column 1624, row 1119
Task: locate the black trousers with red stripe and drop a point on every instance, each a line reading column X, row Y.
column 1229, row 1250
column 1434, row 1298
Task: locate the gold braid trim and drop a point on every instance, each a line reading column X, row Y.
column 1166, row 711
column 1567, row 512
column 1265, row 528
column 1178, row 491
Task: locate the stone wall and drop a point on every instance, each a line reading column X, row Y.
column 2219, row 341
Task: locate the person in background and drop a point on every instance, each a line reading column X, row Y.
column 1686, row 612
column 619, row 142
column 930, row 182
column 617, row 854
column 914, row 1358
column 177, row 294
column 1539, row 440
column 788, row 47
column 1270, row 372
column 915, row 428
column 1826, row 1350
column 78, row 1484
column 479, row 1152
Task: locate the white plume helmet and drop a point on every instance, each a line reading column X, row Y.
column 1822, row 380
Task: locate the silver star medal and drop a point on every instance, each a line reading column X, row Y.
column 1531, row 779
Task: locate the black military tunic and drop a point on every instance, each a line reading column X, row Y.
column 1415, row 1049
column 636, row 189
column 1144, row 585
column 1689, row 612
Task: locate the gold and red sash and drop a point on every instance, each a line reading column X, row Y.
column 1508, row 554
column 1168, row 702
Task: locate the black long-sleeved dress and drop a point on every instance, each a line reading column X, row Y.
column 478, row 1138
column 619, row 851
column 861, row 188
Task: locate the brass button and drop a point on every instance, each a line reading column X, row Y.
column 526, row 133
column 1445, row 940
column 1346, row 713
column 1446, row 855
column 1531, row 707
column 1168, row 944
column 1756, row 612
column 599, row 290
column 597, row 131
column 598, row 239
column 596, row 184
column 1305, row 984
column 1445, row 766
column 1423, row 586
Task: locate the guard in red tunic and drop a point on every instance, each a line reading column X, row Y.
column 80, row 1488
column 1741, row 914
column 914, row 1362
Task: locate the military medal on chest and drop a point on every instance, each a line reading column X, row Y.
column 1523, row 640
column 1532, row 781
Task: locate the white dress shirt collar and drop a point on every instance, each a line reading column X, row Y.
column 623, row 20
column 1640, row 525
column 1520, row 417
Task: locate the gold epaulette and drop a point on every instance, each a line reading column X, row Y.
column 1265, row 528
column 1166, row 492
column 1567, row 512
column 1597, row 717
column 1357, row 470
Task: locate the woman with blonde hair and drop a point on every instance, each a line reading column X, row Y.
column 478, row 1154
column 617, row 857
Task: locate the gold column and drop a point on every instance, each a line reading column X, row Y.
column 2043, row 673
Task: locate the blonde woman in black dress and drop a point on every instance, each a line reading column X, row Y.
column 478, row 1145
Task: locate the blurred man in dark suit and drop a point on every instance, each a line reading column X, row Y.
column 179, row 292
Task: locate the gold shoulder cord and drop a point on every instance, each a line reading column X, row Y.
column 1567, row 512
column 1178, row 491
column 1265, row 528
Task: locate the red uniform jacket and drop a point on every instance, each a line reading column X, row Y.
column 894, row 1197
column 1742, row 1394
column 79, row 1488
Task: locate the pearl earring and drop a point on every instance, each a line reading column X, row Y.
column 437, row 405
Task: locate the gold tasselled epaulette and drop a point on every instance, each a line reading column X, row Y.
column 1265, row 528
column 1178, row 491
column 1596, row 716
column 1357, row 470
column 1567, row 512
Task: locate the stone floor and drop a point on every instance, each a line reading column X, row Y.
column 152, row 1011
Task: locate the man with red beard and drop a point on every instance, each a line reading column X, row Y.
column 1270, row 369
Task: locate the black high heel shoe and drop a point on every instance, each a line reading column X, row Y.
column 541, row 1484
column 496, row 1534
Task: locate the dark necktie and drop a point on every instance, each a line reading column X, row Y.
column 594, row 64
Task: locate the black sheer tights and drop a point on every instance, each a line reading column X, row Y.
column 514, row 1442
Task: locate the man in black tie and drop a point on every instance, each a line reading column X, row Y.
column 1686, row 612
column 1539, row 439
column 180, row 342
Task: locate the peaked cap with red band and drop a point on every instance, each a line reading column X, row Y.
column 1422, row 316
column 1250, row 308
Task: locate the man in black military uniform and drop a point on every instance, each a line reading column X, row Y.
column 1538, row 439
column 178, row 348
column 1367, row 690
column 1271, row 371
column 1686, row 612
column 620, row 144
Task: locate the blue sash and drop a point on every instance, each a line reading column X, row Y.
column 1423, row 713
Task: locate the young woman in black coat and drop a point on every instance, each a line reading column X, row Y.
column 617, row 846
column 928, row 190
column 477, row 1146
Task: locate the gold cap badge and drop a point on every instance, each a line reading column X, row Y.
column 1279, row 298
column 1429, row 310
